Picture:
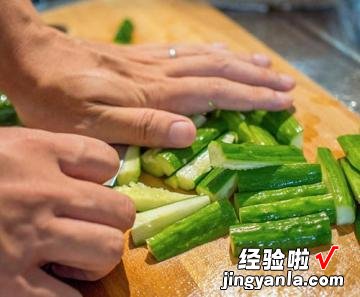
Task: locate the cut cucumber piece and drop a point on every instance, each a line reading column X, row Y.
column 277, row 177
column 219, row 184
column 207, row 224
column 247, row 156
column 149, row 163
column 236, row 122
column 198, row 120
column 170, row 160
column 296, row 207
column 284, row 126
column 192, row 173
column 151, row 222
column 130, row 170
column 357, row 224
column 261, row 136
column 269, row 196
column 353, row 178
column 172, row 181
column 351, row 146
column 334, row 179
column 301, row 232
column 145, row 197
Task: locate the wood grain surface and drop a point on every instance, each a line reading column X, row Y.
column 199, row 271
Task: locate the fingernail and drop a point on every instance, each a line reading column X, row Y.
column 287, row 80
column 219, row 45
column 261, row 60
column 181, row 134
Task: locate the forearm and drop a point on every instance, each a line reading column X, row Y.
column 18, row 26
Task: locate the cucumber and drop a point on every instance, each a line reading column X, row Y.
column 148, row 159
column 247, row 156
column 170, row 160
column 207, row 224
column 353, row 178
column 130, row 170
column 269, row 196
column 334, row 179
column 145, row 197
column 357, row 224
column 172, row 181
column 246, row 133
column 198, row 120
column 219, row 184
column 149, row 163
column 151, row 222
column 351, row 146
column 8, row 115
column 125, row 32
column 296, row 207
column 284, row 126
column 192, row 173
column 236, row 122
column 277, row 177
column 300, row 232
column 261, row 136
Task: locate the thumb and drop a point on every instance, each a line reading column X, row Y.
column 145, row 127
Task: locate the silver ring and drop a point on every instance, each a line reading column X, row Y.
column 172, row 53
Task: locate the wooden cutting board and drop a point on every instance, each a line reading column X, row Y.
column 199, row 271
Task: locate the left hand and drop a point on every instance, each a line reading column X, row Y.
column 135, row 94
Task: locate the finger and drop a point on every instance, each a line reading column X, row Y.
column 86, row 158
column 229, row 68
column 97, row 204
column 82, row 245
column 149, row 52
column 193, row 94
column 144, row 126
column 41, row 284
column 78, row 274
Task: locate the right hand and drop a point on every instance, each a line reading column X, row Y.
column 55, row 210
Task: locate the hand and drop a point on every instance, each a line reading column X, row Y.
column 136, row 94
column 54, row 210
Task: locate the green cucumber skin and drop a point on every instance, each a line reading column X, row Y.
column 247, row 156
column 218, row 184
column 261, row 136
column 283, row 125
column 357, row 224
column 236, row 122
column 289, row 208
column 151, row 222
column 149, row 163
column 8, row 115
column 277, row 177
column 174, row 159
column 207, row 224
column 192, row 173
column 299, row 232
column 353, row 178
column 351, row 146
column 268, row 196
column 335, row 180
column 131, row 168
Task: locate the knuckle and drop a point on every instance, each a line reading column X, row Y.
column 216, row 87
column 145, row 125
column 222, row 62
